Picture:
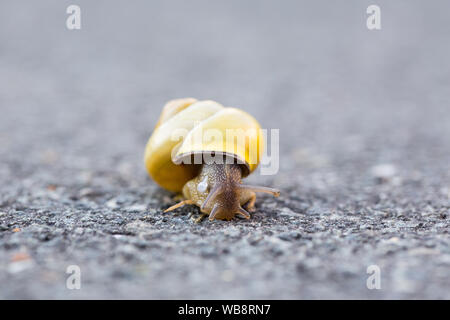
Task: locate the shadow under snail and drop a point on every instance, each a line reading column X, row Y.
column 214, row 186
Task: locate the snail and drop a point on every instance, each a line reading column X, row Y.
column 213, row 182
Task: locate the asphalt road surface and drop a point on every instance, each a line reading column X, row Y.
column 364, row 171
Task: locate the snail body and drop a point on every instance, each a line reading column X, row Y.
column 214, row 183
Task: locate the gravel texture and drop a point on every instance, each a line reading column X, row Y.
column 364, row 125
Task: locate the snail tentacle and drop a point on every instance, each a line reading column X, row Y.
column 214, row 212
column 272, row 191
column 179, row 204
column 244, row 213
column 212, row 194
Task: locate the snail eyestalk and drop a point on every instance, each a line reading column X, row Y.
column 179, row 204
column 272, row 191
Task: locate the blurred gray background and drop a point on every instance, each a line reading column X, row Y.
column 364, row 125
